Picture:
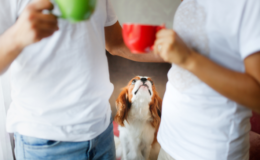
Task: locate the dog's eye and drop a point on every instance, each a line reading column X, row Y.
column 133, row 82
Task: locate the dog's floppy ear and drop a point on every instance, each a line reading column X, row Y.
column 123, row 106
column 156, row 110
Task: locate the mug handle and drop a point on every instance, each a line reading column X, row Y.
column 56, row 10
column 157, row 30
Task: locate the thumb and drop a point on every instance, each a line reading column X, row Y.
column 40, row 5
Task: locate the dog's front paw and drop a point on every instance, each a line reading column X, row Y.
column 135, row 156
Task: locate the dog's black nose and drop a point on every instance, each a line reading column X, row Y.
column 143, row 80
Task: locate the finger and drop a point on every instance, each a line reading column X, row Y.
column 161, row 32
column 47, row 26
column 164, row 51
column 159, row 41
column 157, row 49
column 165, row 33
column 46, row 18
column 40, row 5
column 157, row 45
column 162, row 40
column 166, row 40
column 44, row 34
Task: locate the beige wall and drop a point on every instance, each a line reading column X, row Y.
column 140, row 11
column 146, row 11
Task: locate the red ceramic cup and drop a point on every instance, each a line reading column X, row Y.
column 140, row 38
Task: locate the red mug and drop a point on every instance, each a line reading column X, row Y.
column 140, row 38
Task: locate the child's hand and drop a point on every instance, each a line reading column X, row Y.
column 171, row 47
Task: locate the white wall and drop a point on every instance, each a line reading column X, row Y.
column 146, row 11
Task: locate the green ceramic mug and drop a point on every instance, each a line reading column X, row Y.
column 75, row 10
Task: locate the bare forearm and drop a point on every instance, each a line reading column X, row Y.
column 8, row 51
column 240, row 87
column 122, row 51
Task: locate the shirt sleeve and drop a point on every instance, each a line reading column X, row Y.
column 249, row 36
column 8, row 14
column 111, row 16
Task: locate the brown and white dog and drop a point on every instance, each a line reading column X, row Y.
column 138, row 116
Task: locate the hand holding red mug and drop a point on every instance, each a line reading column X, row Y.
column 171, row 47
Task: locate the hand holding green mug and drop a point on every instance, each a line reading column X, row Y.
column 75, row 10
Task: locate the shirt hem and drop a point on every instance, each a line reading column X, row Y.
column 51, row 135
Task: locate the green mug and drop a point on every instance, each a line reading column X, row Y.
column 75, row 10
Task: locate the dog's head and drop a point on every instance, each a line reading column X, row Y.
column 141, row 89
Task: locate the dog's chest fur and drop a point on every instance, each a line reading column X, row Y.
column 138, row 132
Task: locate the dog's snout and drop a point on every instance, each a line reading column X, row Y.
column 143, row 80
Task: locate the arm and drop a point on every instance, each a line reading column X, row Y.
column 244, row 88
column 115, row 45
column 31, row 27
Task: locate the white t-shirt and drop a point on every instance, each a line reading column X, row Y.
column 197, row 122
column 60, row 85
